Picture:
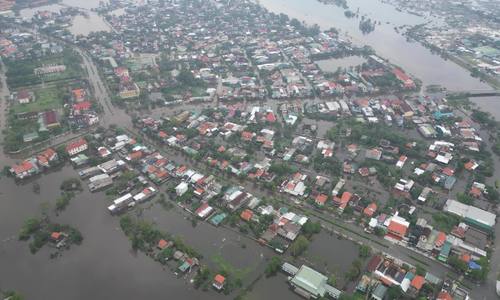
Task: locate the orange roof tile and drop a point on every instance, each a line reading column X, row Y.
column 417, row 282
column 219, row 279
column 246, row 215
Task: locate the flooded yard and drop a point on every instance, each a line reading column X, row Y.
column 331, row 65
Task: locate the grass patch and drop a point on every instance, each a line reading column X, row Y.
column 45, row 99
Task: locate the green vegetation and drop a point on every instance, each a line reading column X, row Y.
column 282, row 169
column 354, row 271
column 22, row 72
column 420, row 270
column 202, row 278
column 394, row 293
column 45, row 99
column 445, row 222
column 365, row 251
column 71, row 185
column 39, row 231
column 273, row 267
column 63, row 201
column 456, row 263
column 144, row 236
column 299, row 246
column 234, row 276
column 11, row 295
column 30, row 226
column 310, row 228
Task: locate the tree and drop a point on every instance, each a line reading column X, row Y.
column 365, row 251
column 394, row 292
column 420, row 270
column 11, row 295
column 299, row 246
column 310, row 228
column 30, row 226
column 458, row 264
column 332, row 280
column 273, row 267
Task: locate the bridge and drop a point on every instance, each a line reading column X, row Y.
column 474, row 93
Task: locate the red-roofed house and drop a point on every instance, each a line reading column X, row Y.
column 50, row 119
column 23, row 97
column 342, row 202
column 440, row 239
column 417, row 282
column 405, row 79
column 370, row 210
column 77, row 147
column 321, row 199
column 398, row 227
column 270, row 117
column 219, row 282
column 78, row 95
column 443, row 295
column 46, row 157
column 247, row 136
column 81, row 106
column 204, row 211
column 163, row 244
column 56, row 236
column 25, row 169
column 471, row 165
column 246, row 215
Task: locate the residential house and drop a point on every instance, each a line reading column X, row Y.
column 77, row 147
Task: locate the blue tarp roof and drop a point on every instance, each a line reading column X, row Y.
column 474, row 266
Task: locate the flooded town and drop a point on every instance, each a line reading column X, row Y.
column 249, row 149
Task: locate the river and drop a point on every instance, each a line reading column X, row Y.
column 413, row 57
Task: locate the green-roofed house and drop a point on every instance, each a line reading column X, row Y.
column 217, row 219
column 445, row 252
column 312, row 284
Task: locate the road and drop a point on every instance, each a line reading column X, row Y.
column 4, row 98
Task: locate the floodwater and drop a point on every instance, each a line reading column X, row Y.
column 331, row 65
column 85, row 25
column 488, row 104
column 80, row 24
column 414, row 58
column 116, row 271
column 103, row 267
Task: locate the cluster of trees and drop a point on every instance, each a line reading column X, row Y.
column 63, row 201
column 39, row 230
column 144, row 236
column 304, row 29
column 299, row 246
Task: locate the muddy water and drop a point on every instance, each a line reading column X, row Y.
column 103, row 267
